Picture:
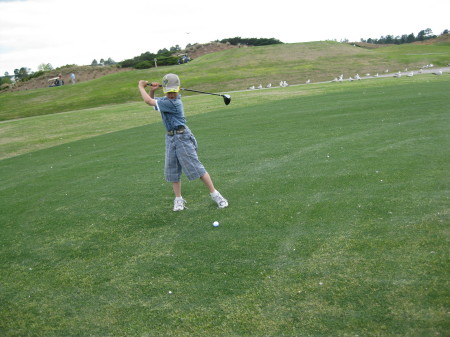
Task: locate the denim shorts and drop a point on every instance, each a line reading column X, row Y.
column 181, row 156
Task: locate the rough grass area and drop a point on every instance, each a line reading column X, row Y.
column 337, row 226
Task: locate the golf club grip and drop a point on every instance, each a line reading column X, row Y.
column 150, row 83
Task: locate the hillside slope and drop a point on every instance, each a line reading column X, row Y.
column 229, row 70
column 88, row 73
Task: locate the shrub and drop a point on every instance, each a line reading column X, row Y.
column 143, row 65
column 4, row 86
column 167, row 61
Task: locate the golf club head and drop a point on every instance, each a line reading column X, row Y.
column 226, row 99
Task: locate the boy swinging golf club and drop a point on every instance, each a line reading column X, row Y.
column 181, row 145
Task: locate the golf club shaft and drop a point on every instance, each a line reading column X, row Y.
column 200, row 92
column 226, row 98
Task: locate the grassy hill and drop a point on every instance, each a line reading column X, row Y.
column 229, row 70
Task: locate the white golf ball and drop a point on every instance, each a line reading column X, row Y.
column 216, row 223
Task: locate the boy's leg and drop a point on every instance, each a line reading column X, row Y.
column 187, row 158
column 208, row 182
column 177, row 189
column 215, row 195
column 179, row 202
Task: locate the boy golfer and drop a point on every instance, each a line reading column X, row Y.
column 181, row 145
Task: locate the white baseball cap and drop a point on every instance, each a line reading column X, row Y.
column 171, row 83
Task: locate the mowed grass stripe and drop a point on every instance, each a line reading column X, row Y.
column 336, row 225
column 40, row 132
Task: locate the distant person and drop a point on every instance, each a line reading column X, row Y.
column 59, row 81
column 72, row 78
column 181, row 146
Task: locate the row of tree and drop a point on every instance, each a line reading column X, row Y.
column 164, row 57
column 253, row 41
column 102, row 62
column 22, row 74
column 423, row 35
column 25, row 74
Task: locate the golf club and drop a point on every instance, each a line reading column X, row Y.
column 226, row 98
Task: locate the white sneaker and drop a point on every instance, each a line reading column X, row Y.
column 179, row 205
column 221, row 201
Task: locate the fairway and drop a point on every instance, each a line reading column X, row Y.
column 338, row 223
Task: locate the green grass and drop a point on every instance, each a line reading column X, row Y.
column 410, row 54
column 229, row 70
column 40, row 132
column 337, row 225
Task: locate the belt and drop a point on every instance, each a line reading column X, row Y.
column 178, row 131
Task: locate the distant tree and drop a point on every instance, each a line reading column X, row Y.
column 110, row 62
column 429, row 34
column 45, row 67
column 421, row 35
column 129, row 63
column 102, row 62
column 22, row 73
column 164, row 56
column 410, row 38
column 35, row 74
column 425, row 34
column 5, row 80
column 251, row 41
column 444, row 32
column 401, row 39
column 147, row 56
column 389, row 39
column 94, row 63
column 167, row 60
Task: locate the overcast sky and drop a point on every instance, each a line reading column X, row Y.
column 63, row 32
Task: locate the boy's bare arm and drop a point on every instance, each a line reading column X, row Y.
column 148, row 98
